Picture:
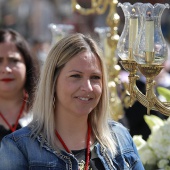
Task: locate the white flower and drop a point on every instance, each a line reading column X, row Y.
column 156, row 150
column 153, row 121
column 159, row 141
column 146, row 154
column 138, row 141
column 163, row 163
column 167, row 167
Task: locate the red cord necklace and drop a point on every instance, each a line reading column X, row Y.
column 88, row 145
column 13, row 128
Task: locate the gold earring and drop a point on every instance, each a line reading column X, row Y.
column 54, row 101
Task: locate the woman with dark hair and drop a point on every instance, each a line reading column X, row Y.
column 18, row 76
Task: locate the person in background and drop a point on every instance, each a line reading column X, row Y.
column 40, row 49
column 18, row 76
column 71, row 128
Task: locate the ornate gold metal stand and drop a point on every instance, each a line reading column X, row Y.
column 149, row 99
column 99, row 7
column 142, row 46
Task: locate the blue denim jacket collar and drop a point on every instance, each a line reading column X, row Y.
column 104, row 155
column 37, row 154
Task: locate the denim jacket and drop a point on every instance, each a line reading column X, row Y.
column 18, row 151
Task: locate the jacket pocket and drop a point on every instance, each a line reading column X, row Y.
column 127, row 160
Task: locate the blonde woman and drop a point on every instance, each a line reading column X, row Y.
column 70, row 128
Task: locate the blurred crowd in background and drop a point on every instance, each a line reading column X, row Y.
column 32, row 17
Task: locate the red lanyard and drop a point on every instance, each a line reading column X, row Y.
column 19, row 115
column 88, row 146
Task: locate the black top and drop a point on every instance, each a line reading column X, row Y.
column 4, row 131
column 95, row 162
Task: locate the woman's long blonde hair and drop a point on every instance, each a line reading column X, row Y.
column 43, row 109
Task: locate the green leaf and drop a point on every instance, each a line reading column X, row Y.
column 150, row 167
column 164, row 92
column 153, row 120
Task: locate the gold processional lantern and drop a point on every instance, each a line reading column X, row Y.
column 142, row 47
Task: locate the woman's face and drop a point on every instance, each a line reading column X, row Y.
column 79, row 85
column 12, row 69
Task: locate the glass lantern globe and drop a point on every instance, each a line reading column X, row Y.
column 150, row 46
column 59, row 31
column 130, row 31
column 102, row 33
